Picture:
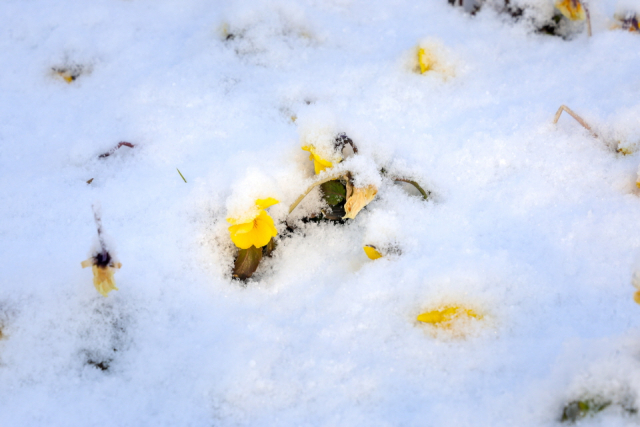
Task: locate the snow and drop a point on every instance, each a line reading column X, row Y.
column 532, row 224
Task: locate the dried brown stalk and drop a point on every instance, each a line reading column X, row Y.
column 586, row 11
column 575, row 116
column 113, row 150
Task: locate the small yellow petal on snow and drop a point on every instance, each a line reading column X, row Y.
column 571, row 9
column 636, row 297
column 359, row 199
column 372, row 252
column 423, row 60
column 444, row 316
column 103, row 279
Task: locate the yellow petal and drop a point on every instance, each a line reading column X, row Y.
column 636, row 297
column 264, row 230
column 87, row 263
column 103, row 279
column 243, row 240
column 445, row 315
column 571, row 9
column 319, row 167
column 242, row 234
column 319, row 164
column 244, row 219
column 359, row 199
column 423, row 61
column 256, row 233
column 372, row 252
column 265, row 203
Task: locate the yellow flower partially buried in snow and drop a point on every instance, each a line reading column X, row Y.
column 372, row 252
column 571, row 9
column 445, row 317
column 360, row 198
column 102, row 274
column 319, row 163
column 256, row 228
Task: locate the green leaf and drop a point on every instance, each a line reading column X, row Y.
column 577, row 409
column 334, row 192
column 247, row 262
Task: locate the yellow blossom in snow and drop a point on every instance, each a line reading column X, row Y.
column 319, row 163
column 103, row 278
column 626, row 21
column 372, row 252
column 444, row 317
column 359, row 199
column 255, row 229
column 571, row 9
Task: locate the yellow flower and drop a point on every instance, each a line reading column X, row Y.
column 102, row 275
column 255, row 230
column 360, row 198
column 372, row 252
column 319, row 163
column 626, row 21
column 444, row 317
column 572, row 9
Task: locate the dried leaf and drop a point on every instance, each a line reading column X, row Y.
column 359, row 199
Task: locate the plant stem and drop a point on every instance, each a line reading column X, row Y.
column 586, row 10
column 311, row 187
column 113, row 150
column 575, row 116
column 425, row 194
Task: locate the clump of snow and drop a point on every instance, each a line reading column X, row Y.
column 241, row 204
column 269, row 34
column 383, row 231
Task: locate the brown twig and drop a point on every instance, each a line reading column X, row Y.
column 114, row 149
column 586, row 11
column 575, row 116
column 342, row 140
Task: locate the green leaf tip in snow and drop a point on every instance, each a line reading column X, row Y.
column 181, row 175
column 578, row 409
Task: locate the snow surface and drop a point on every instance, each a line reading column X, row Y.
column 533, row 224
